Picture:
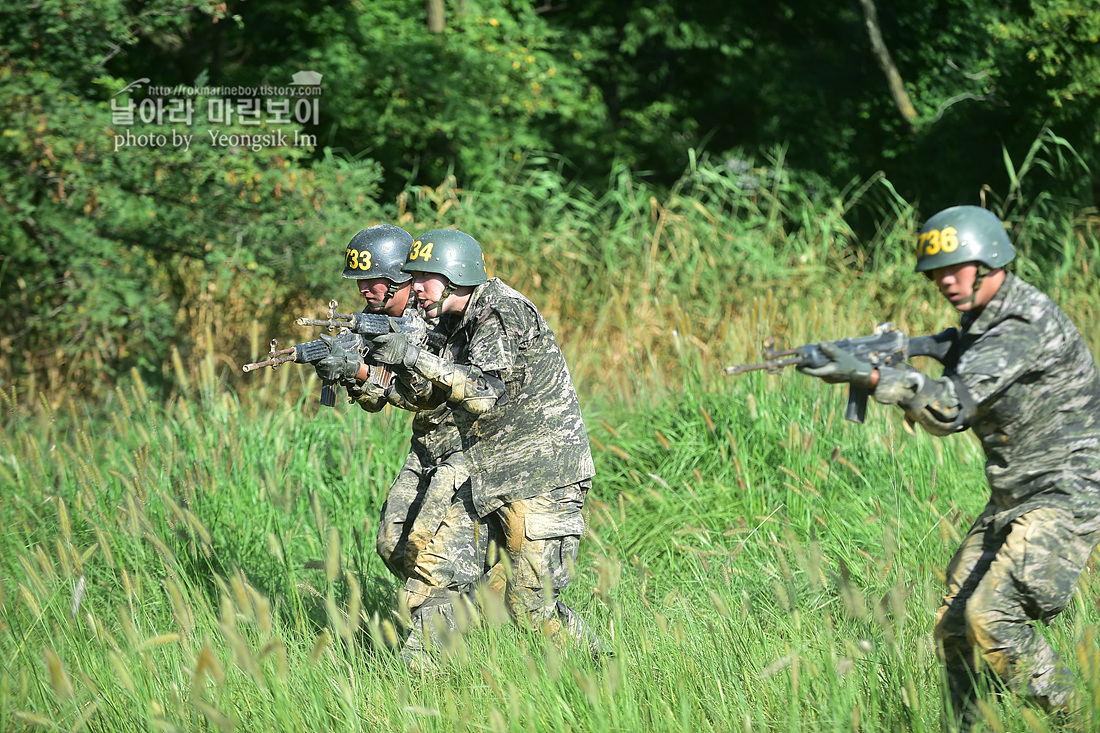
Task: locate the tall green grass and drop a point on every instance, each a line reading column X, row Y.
column 755, row 562
column 625, row 266
column 643, row 272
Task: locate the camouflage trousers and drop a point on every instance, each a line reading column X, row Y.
column 414, row 508
column 449, row 565
column 536, row 541
column 540, row 537
column 999, row 584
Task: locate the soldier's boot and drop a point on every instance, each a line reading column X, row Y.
column 961, row 713
column 565, row 626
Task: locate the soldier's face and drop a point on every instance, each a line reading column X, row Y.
column 428, row 288
column 956, row 283
column 374, row 289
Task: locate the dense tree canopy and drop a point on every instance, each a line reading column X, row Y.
column 641, row 81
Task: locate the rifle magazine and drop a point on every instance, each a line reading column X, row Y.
column 380, row 375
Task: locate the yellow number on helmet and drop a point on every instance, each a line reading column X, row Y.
column 426, row 252
column 949, row 239
column 415, row 251
column 364, row 259
column 352, row 259
column 932, row 245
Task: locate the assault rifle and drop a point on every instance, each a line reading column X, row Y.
column 356, row 332
column 367, row 324
column 888, row 346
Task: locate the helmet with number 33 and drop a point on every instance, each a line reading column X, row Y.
column 963, row 234
column 378, row 251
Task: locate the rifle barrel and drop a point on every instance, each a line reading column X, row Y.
column 270, row 362
column 338, row 319
column 771, row 365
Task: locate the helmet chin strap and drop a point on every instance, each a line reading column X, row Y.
column 391, row 290
column 979, row 276
column 437, row 306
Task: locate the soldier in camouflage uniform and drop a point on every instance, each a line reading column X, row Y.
column 523, row 436
column 426, row 535
column 1025, row 383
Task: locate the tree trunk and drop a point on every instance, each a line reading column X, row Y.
column 882, row 54
column 435, row 16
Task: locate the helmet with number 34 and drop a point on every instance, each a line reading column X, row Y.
column 448, row 252
column 963, row 234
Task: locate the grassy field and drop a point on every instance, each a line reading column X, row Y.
column 202, row 557
column 756, row 562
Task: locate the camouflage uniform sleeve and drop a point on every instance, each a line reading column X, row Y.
column 996, row 361
column 492, row 348
column 1004, row 355
column 476, row 385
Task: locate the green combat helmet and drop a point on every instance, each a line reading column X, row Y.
column 963, row 234
column 448, row 252
column 378, row 251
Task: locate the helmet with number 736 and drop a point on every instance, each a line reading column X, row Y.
column 448, row 252
column 963, row 234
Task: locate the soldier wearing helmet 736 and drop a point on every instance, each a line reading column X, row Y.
column 1025, row 383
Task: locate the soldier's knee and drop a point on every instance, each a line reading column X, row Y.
column 994, row 633
column 415, row 594
column 943, row 635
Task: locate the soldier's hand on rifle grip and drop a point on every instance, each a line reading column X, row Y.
column 841, row 367
column 368, row 391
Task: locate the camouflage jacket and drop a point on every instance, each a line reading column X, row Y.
column 435, row 437
column 1028, row 387
column 533, row 439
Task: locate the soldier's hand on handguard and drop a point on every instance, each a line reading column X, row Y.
column 841, row 367
column 337, row 369
column 340, row 365
column 394, row 349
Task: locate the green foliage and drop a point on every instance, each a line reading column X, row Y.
column 113, row 255
column 1061, row 40
column 498, row 82
column 187, row 555
column 118, row 234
